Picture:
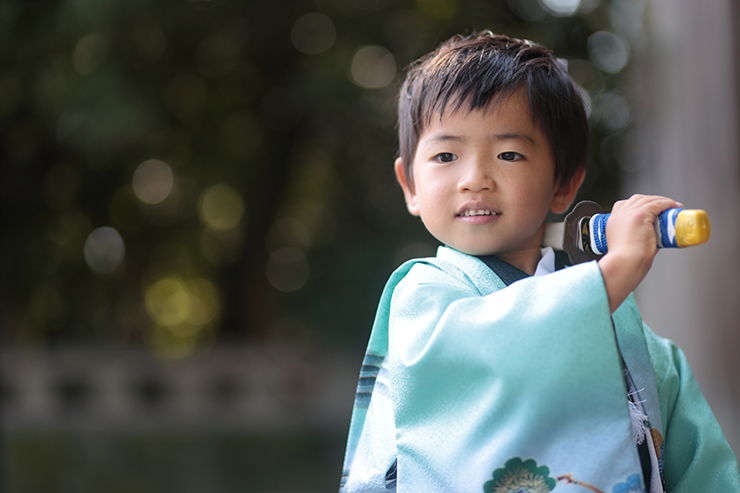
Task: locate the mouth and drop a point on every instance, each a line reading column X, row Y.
column 478, row 212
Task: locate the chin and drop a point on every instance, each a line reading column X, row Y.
column 475, row 250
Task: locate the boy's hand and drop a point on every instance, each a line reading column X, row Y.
column 630, row 233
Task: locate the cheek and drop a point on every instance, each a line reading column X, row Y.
column 539, row 186
column 430, row 191
column 433, row 207
column 533, row 200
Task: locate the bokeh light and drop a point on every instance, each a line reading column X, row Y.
column 608, row 51
column 373, row 67
column 561, row 8
column 168, row 301
column 172, row 302
column 90, row 52
column 221, row 207
column 104, row 250
column 204, row 298
column 287, row 269
column 313, row 33
column 182, row 311
column 152, row 181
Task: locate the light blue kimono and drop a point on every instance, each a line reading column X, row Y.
column 468, row 386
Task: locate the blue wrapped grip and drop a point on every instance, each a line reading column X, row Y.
column 665, row 230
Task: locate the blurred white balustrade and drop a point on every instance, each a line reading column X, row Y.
column 262, row 389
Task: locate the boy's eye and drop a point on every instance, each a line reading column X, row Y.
column 510, row 156
column 445, row 157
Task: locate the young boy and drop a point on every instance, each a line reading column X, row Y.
column 489, row 368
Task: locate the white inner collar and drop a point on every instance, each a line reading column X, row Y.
column 546, row 264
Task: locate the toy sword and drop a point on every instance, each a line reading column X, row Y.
column 583, row 233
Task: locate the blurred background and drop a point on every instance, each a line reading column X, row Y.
column 199, row 213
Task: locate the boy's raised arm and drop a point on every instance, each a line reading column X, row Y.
column 632, row 244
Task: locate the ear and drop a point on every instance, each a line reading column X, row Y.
column 567, row 193
column 408, row 188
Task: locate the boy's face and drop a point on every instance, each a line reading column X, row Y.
column 483, row 182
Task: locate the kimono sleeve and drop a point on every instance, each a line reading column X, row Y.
column 530, row 371
column 437, row 315
column 697, row 455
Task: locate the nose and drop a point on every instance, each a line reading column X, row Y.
column 476, row 177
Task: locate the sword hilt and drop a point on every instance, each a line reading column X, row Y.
column 584, row 230
column 674, row 228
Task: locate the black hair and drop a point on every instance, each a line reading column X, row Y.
column 479, row 70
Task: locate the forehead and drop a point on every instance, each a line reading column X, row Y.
column 509, row 114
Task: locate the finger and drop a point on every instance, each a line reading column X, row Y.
column 651, row 201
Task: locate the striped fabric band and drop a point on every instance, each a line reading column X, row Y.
column 597, row 225
column 665, row 228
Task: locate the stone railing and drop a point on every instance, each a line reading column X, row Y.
column 241, row 388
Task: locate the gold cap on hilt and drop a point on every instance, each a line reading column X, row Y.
column 692, row 227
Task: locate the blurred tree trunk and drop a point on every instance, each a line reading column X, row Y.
column 685, row 145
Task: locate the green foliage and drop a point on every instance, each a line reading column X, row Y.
column 220, row 91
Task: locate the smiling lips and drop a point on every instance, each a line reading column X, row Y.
column 479, row 212
column 478, row 217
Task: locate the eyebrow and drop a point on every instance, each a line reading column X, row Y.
column 446, row 138
column 515, row 136
column 506, row 136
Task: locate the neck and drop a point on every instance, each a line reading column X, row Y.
column 526, row 260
